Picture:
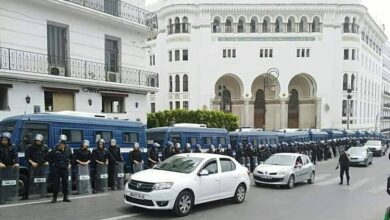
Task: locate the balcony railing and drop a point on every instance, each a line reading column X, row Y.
column 24, row 61
column 121, row 9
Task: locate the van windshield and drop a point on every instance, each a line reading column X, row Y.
column 7, row 126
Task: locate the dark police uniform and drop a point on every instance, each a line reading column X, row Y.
column 115, row 158
column 8, row 155
column 135, row 155
column 344, row 167
column 153, row 155
column 100, row 155
column 37, row 154
column 82, row 155
column 60, row 162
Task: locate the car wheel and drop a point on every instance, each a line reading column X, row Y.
column 291, row 182
column 183, row 204
column 239, row 195
column 312, row 177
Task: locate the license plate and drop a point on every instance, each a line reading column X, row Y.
column 103, row 176
column 84, row 177
column 121, row 175
column 265, row 177
column 8, row 183
column 137, row 195
column 39, row 180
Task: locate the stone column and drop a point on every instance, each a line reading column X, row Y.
column 246, row 112
column 318, row 113
column 283, row 113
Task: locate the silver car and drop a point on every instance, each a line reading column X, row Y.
column 376, row 147
column 360, row 156
column 285, row 169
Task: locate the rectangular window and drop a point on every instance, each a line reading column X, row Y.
column 154, row 60
column 177, row 55
column 112, row 55
column 261, row 53
column 31, row 129
column 170, row 56
column 106, row 135
column 302, row 52
column 344, row 108
column 170, row 105
column 271, row 52
column 56, row 45
column 185, row 55
column 177, row 103
column 221, row 140
column 307, row 52
column 346, row 54
column 298, row 52
column 3, row 98
column 224, row 53
column 266, row 53
column 234, row 53
column 130, row 137
column 74, row 136
column 229, row 53
column 113, row 104
column 192, row 140
column 151, row 60
column 185, row 105
column 353, row 55
column 153, row 107
column 207, row 140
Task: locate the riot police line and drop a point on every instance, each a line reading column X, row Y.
column 103, row 168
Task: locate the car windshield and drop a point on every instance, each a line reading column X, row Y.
column 280, row 160
column 356, row 150
column 374, row 143
column 180, row 164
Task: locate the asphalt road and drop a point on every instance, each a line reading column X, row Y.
column 364, row 199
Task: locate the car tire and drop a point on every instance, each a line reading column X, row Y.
column 240, row 193
column 311, row 178
column 183, row 204
column 291, row 182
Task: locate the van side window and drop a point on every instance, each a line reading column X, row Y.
column 255, row 142
column 130, row 137
column 221, row 140
column 30, row 129
column 74, row 136
column 106, row 135
column 192, row 140
column 207, row 141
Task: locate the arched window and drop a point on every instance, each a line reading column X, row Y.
column 185, row 25
column 216, row 25
column 279, row 25
column 303, row 25
column 241, row 25
column 177, row 83
column 253, row 25
column 345, row 82
column 226, row 101
column 170, row 84
column 170, row 26
column 346, row 25
column 316, row 26
column 265, row 27
column 185, row 83
column 177, row 25
column 353, row 82
column 291, row 25
column 228, row 26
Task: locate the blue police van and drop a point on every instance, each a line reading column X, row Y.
column 188, row 133
column 253, row 136
column 77, row 128
column 295, row 136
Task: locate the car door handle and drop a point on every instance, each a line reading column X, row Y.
column 217, row 180
column 235, row 176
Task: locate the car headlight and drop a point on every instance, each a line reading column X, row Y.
column 282, row 173
column 161, row 186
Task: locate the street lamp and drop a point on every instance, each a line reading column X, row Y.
column 28, row 100
column 348, row 109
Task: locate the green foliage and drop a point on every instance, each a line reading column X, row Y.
column 213, row 119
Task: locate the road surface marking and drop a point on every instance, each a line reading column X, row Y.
column 122, row 217
column 358, row 184
column 328, row 182
column 46, row 201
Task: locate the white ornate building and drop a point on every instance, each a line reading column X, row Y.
column 78, row 55
column 385, row 116
column 274, row 63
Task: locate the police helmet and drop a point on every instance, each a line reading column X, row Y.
column 38, row 137
column 113, row 142
column 156, row 145
column 188, row 145
column 63, row 137
column 136, row 145
column 6, row 135
column 86, row 143
column 100, row 141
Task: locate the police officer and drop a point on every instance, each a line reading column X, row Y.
column 82, row 155
column 344, row 166
column 198, row 149
column 99, row 156
column 36, row 155
column 59, row 159
column 167, row 150
column 219, row 149
column 240, row 154
column 229, row 151
column 68, row 151
column 211, row 149
column 8, row 152
column 187, row 149
column 153, row 155
column 314, row 153
column 177, row 149
column 115, row 158
column 135, row 158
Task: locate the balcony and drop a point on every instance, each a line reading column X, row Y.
column 121, row 9
column 386, row 93
column 37, row 63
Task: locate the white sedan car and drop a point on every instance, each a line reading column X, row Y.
column 376, row 147
column 185, row 180
column 285, row 169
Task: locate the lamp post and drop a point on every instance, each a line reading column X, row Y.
column 348, row 109
column 28, row 100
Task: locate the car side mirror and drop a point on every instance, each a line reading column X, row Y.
column 204, row 173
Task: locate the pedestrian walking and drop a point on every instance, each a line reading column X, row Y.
column 344, row 166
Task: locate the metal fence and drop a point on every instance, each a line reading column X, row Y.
column 121, row 9
column 25, row 61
